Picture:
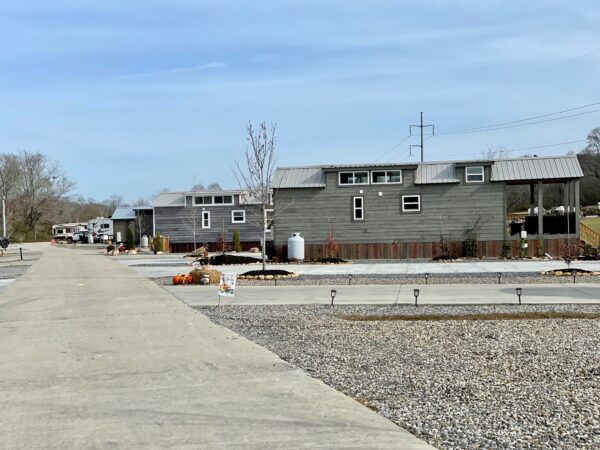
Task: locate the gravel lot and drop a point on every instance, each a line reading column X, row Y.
column 457, row 384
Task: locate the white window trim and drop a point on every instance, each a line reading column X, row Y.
column 213, row 200
column 475, row 167
column 354, row 208
column 207, row 214
column 238, row 211
column 386, row 181
column 412, row 203
column 353, row 172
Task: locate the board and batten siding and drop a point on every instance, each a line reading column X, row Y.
column 176, row 223
column 455, row 208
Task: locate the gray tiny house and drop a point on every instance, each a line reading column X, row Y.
column 398, row 211
column 202, row 217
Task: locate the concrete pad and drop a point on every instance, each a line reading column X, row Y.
column 95, row 355
column 475, row 294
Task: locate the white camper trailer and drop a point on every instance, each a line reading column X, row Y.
column 101, row 229
column 64, row 231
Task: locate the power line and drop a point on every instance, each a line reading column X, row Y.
column 518, row 149
column 498, row 127
column 393, row 148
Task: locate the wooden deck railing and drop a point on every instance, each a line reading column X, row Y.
column 588, row 235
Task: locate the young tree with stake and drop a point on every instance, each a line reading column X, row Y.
column 256, row 172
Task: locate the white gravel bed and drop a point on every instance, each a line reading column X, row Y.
column 457, row 384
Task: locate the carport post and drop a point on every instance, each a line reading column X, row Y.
column 3, row 215
column 540, row 210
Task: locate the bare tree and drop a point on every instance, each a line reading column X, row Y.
column 192, row 220
column 111, row 203
column 42, row 186
column 214, row 187
column 256, row 173
column 498, row 153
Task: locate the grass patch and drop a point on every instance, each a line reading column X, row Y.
column 483, row 316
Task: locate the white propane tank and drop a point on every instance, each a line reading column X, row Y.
column 119, row 236
column 90, row 238
column 296, row 247
column 144, row 241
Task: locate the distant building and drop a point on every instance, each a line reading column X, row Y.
column 185, row 217
column 397, row 211
column 137, row 218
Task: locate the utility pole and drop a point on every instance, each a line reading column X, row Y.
column 421, row 126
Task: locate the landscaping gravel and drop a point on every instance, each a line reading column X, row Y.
column 392, row 279
column 457, row 384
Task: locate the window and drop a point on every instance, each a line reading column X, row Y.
column 411, row 203
column 359, row 210
column 386, row 176
column 223, row 200
column 205, row 219
column 474, row 174
column 354, row 178
column 238, row 216
column 207, row 200
column 105, row 225
column 269, row 213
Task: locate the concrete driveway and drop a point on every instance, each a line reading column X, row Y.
column 96, row 356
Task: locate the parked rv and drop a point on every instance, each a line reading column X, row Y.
column 101, row 229
column 64, row 231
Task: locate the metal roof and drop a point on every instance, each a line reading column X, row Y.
column 299, row 177
column 166, row 199
column 123, row 213
column 436, row 173
column 531, row 169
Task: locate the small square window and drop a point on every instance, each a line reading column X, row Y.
column 238, row 216
column 411, row 203
column 474, row 174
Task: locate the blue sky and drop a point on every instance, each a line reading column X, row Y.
column 135, row 96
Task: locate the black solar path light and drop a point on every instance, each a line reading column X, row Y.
column 426, row 277
column 349, row 280
column 519, row 292
column 499, row 277
column 416, row 294
column 333, row 294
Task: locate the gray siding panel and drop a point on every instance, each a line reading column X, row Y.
column 454, row 207
column 177, row 223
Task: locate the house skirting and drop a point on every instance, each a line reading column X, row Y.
column 426, row 250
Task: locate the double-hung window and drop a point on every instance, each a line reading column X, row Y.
column 474, row 174
column 347, row 178
column 238, row 216
column 223, row 199
column 206, row 200
column 205, row 219
column 411, row 203
column 358, row 207
column 386, row 176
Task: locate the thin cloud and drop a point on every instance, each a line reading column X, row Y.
column 158, row 73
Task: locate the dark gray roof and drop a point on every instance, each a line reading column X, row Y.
column 123, row 213
column 547, row 168
column 436, row 173
column 299, row 177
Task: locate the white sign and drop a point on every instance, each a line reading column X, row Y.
column 227, row 285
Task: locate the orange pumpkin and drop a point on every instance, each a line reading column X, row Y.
column 190, row 279
column 177, row 279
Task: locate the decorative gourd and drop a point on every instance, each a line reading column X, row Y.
column 189, row 279
column 177, row 279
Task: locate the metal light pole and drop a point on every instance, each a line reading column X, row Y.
column 3, row 214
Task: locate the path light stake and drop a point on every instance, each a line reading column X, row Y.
column 426, row 277
column 416, row 293
column 275, row 280
column 574, row 275
column 519, row 292
column 349, row 280
column 499, row 277
column 21, row 251
column 333, row 294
